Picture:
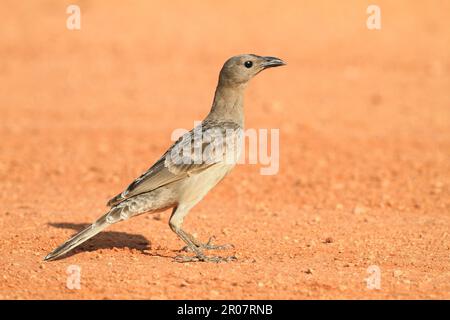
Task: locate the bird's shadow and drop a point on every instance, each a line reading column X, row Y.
column 105, row 240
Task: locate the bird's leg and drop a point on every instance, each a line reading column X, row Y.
column 187, row 238
column 193, row 244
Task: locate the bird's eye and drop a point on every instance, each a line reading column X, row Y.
column 248, row 64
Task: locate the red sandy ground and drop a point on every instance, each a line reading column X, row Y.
column 364, row 119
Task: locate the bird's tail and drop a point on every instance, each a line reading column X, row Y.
column 84, row 235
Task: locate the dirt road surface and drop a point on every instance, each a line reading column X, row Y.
column 364, row 175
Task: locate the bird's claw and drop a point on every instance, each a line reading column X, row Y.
column 210, row 246
column 204, row 258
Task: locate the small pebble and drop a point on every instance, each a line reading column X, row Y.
column 398, row 273
column 359, row 210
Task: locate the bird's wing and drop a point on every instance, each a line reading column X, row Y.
column 197, row 150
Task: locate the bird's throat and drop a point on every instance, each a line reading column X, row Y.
column 228, row 104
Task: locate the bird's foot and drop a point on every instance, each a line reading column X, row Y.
column 210, row 246
column 203, row 258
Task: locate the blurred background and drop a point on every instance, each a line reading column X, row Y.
column 364, row 119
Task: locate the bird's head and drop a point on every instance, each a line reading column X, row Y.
column 240, row 69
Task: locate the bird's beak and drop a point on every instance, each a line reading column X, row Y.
column 270, row 62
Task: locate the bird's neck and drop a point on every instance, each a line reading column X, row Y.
column 228, row 103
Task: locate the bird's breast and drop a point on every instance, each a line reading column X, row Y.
column 195, row 187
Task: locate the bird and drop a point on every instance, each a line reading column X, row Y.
column 186, row 172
